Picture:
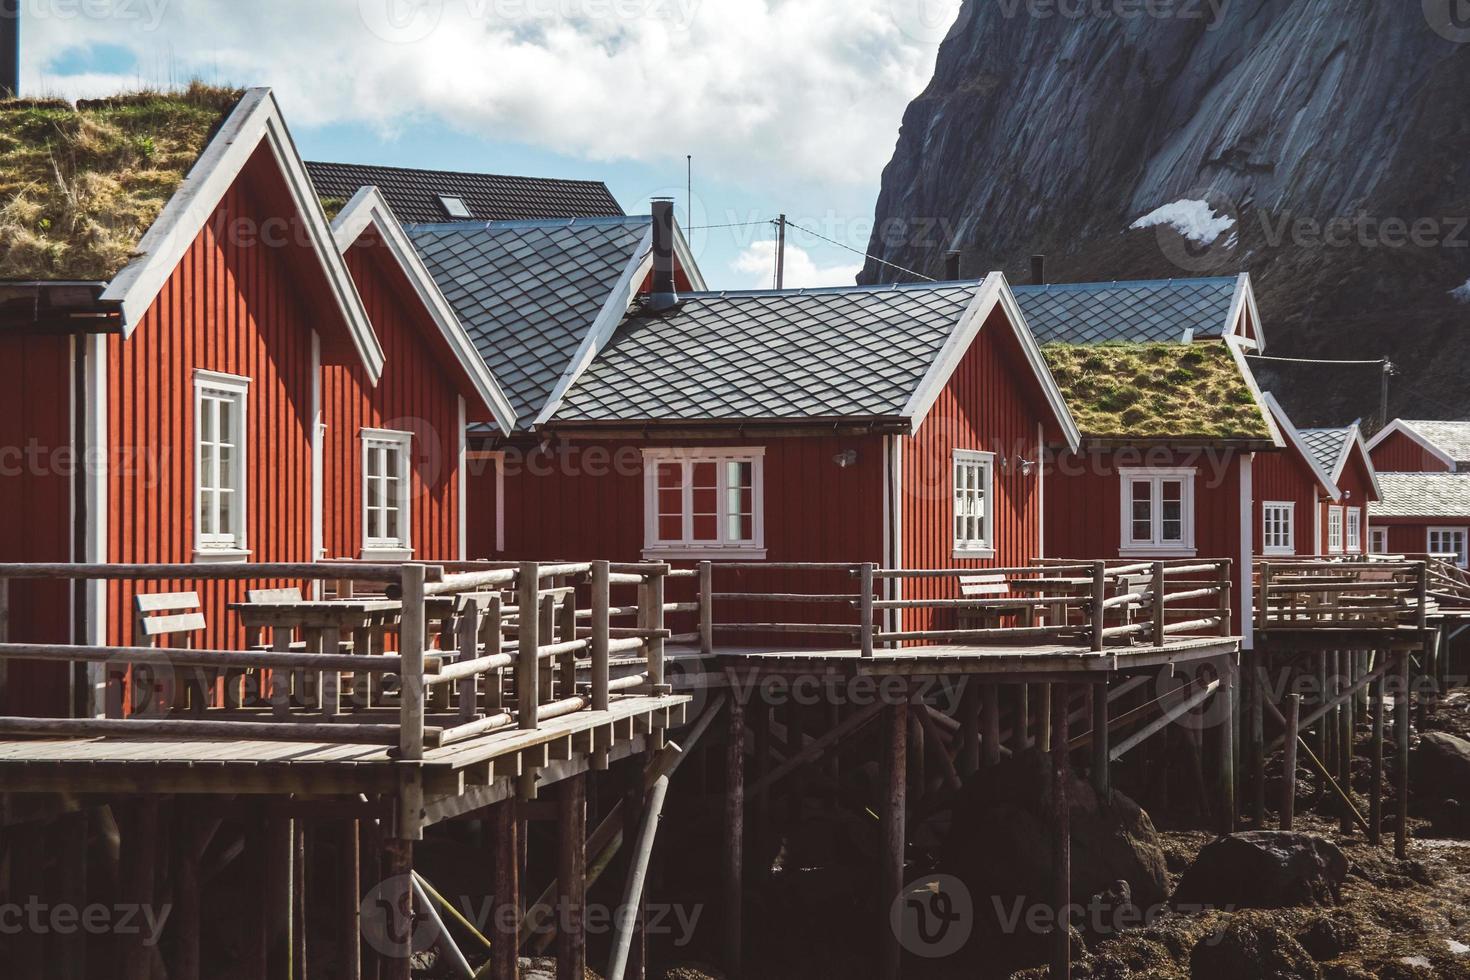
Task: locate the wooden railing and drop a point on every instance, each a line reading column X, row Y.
column 479, row 649
column 1338, row 593
column 1087, row 604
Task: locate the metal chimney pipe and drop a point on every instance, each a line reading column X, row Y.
column 665, row 291
column 9, row 48
column 1038, row 270
column 952, row 265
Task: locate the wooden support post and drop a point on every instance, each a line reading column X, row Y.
column 865, row 608
column 1375, row 793
column 70, row 837
column 571, row 875
column 1021, row 730
column 349, row 899
column 1345, row 736
column 1324, row 728
column 505, row 927
column 398, row 868
column 183, row 923
column 1061, row 953
column 278, row 900
column 1099, row 607
column 1101, row 763
column 971, row 709
column 1226, row 607
column 1401, row 732
column 734, row 890
column 635, row 806
column 1160, row 608
column 758, row 718
column 1288, row 764
column 601, row 633
column 528, row 662
column 298, row 902
column 1259, row 692
column 139, row 865
column 25, row 947
column 990, row 697
column 1226, row 731
column 656, row 582
column 892, row 820
column 707, row 608
column 1044, row 723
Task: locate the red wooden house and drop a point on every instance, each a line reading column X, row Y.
column 1405, row 446
column 1423, row 513
column 1342, row 457
column 1292, row 494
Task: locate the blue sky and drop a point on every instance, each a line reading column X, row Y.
column 786, row 105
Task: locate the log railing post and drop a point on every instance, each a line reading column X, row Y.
column 1160, row 607
column 1099, row 604
column 1226, row 591
column 411, row 641
column 656, row 582
column 601, row 632
column 865, row 605
column 1263, row 600
column 528, row 665
column 706, row 608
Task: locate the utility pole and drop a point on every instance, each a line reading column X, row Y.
column 1383, row 394
column 781, row 252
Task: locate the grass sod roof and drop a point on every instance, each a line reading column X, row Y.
column 80, row 185
column 1156, row 391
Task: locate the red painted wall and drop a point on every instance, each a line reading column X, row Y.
column 1286, row 475
column 1400, row 454
column 415, row 393
column 36, row 495
column 1410, row 535
column 1356, row 484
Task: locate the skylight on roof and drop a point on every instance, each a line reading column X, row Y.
column 454, row 206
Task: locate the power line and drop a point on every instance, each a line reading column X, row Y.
column 1318, row 360
column 857, row 251
column 733, row 224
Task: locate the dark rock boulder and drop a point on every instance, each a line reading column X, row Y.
column 1244, row 951
column 1440, row 768
column 1328, row 938
column 1264, row 869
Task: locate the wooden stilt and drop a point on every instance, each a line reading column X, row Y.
column 1101, row 763
column 371, row 870
column 183, row 924
column 571, row 874
column 833, row 764
column 1288, row 764
column 26, row 947
column 734, row 890
column 635, row 806
column 349, row 899
column 1021, row 732
column 299, row 902
column 398, row 867
column 1375, row 793
column 970, row 712
column 278, row 900
column 990, row 698
column 71, row 838
column 759, row 718
column 1226, row 729
column 917, row 769
column 1061, row 958
column 139, row 869
column 893, row 831
column 1260, row 675
column 1324, row 727
column 505, row 826
column 1044, row 723
column 1401, row 732
column 1345, row 737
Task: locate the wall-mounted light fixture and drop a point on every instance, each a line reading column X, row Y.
column 846, row 458
column 1028, row 466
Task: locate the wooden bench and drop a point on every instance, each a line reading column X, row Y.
column 981, row 586
column 159, row 619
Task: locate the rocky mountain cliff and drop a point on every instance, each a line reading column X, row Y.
column 1321, row 145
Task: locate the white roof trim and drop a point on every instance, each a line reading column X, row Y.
column 1399, row 425
column 1234, row 344
column 993, row 292
column 368, row 208
column 256, row 119
column 618, row 303
column 1243, row 304
column 1355, row 438
column 1294, row 437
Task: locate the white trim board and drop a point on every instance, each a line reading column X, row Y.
column 1241, row 305
column 1294, row 438
column 1400, row 426
column 993, row 292
column 369, row 209
column 1233, row 344
column 255, row 120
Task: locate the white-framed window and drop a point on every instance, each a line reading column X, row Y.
column 1355, row 530
column 974, row 498
column 1334, row 530
column 1450, row 541
column 704, row 503
column 1158, row 511
column 1278, row 526
column 387, row 498
column 220, row 428
column 1378, row 540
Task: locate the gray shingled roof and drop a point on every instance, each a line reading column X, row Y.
column 1450, row 438
column 414, row 194
column 1327, row 446
column 844, row 352
column 1444, row 495
column 529, row 291
column 1152, row 311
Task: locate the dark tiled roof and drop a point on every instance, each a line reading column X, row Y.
column 1327, row 446
column 846, row 352
column 529, row 291
column 414, row 194
column 1444, row 495
column 1450, row 438
column 1154, row 311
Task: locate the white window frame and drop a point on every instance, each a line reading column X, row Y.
column 1155, row 546
column 1335, row 530
column 1278, row 507
column 1464, row 553
column 401, row 547
column 1377, row 540
column 1353, row 531
column 233, row 544
column 686, row 547
column 984, row 546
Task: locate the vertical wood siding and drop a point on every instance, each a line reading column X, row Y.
column 1410, row 535
column 1283, row 476
column 1357, row 487
column 233, row 305
column 414, row 394
column 1400, row 454
column 36, row 493
column 990, row 404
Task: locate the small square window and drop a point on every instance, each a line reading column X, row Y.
column 454, row 206
column 704, row 502
column 386, row 494
column 1278, row 531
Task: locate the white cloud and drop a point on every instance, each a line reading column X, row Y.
column 1195, row 220
column 813, row 89
column 759, row 262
